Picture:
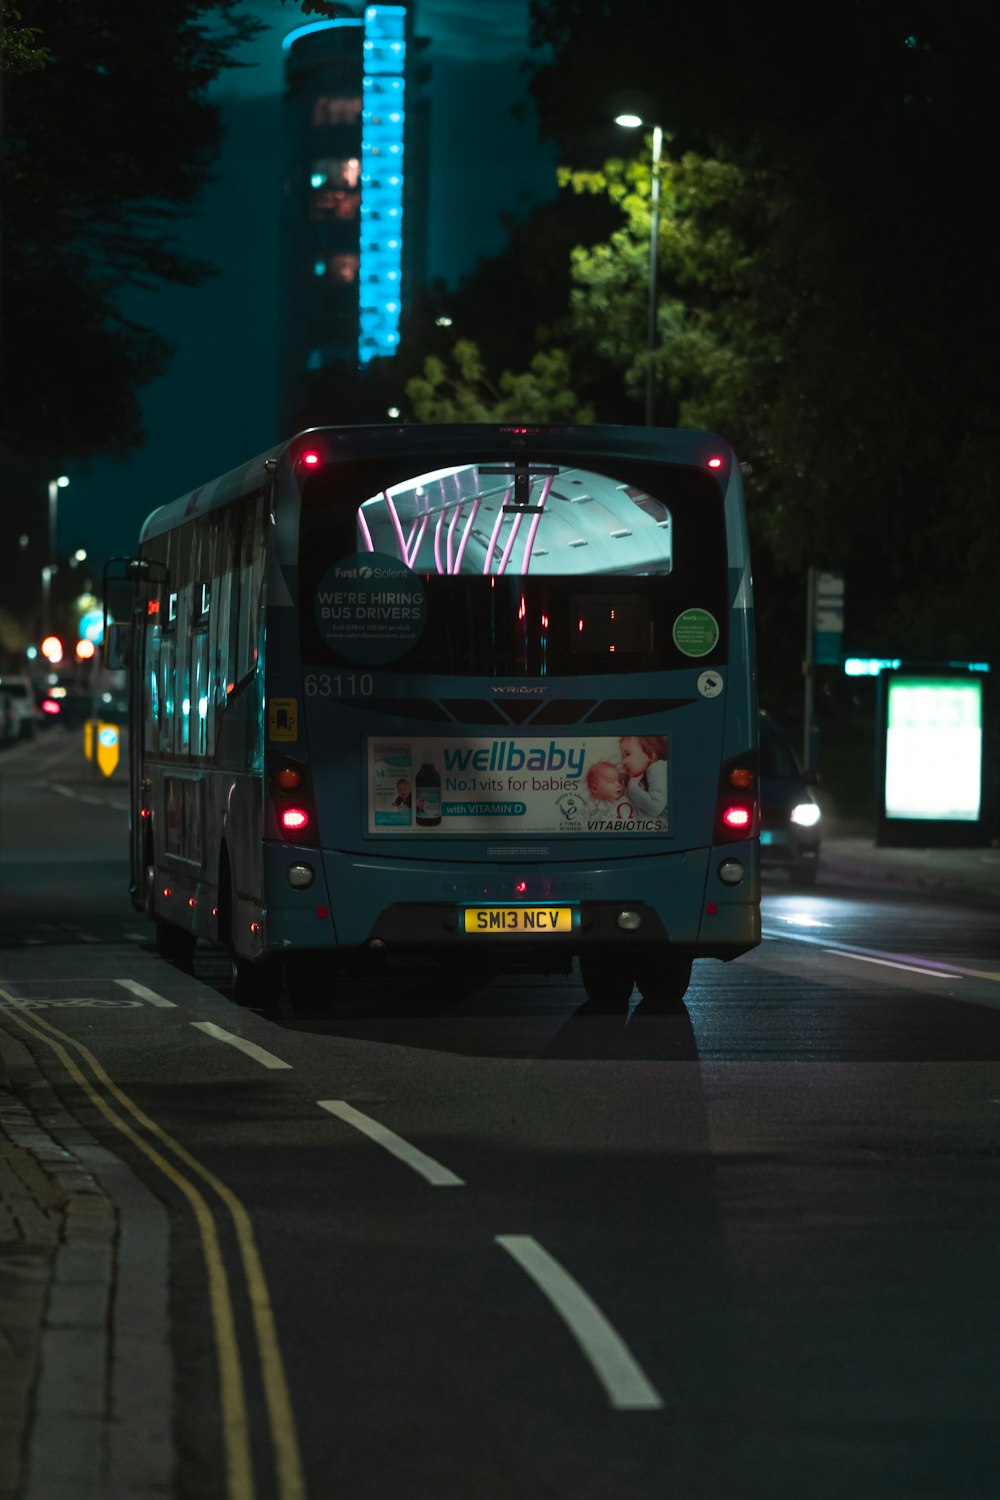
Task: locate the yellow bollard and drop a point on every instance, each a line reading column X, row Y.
column 108, row 745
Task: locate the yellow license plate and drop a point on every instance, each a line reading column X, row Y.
column 496, row 921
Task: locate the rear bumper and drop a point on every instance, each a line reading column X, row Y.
column 414, row 906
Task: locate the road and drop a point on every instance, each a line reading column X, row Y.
column 496, row 1247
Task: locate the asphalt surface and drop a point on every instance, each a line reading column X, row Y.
column 83, row 1253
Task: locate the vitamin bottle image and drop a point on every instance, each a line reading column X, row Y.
column 428, row 795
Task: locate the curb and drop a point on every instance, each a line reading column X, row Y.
column 973, row 875
column 67, row 1227
column 89, row 1406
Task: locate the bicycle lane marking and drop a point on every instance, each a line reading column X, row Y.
column 239, row 1470
column 83, row 1002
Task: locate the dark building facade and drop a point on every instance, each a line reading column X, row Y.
column 354, row 226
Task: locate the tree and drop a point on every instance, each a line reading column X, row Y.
column 835, row 309
column 464, row 392
column 110, row 139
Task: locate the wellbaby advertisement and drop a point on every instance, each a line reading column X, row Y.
column 517, row 785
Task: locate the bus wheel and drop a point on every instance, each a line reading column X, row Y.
column 663, row 978
column 311, row 981
column 257, row 984
column 607, row 980
column 175, row 945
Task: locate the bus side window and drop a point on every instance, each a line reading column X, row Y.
column 200, row 706
column 251, row 544
column 234, row 542
column 167, row 693
column 151, row 687
column 218, row 620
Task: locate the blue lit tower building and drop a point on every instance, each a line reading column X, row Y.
column 355, row 194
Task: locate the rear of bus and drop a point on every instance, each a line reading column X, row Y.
column 519, row 662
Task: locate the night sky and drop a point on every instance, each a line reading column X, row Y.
column 216, row 405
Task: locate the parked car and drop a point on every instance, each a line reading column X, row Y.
column 789, row 813
column 19, row 691
column 10, row 726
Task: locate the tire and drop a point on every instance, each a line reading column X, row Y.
column 663, row 978
column 175, row 945
column 608, row 981
column 172, row 943
column 254, row 983
column 311, row 981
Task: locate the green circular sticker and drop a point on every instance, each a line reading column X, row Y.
column 696, row 632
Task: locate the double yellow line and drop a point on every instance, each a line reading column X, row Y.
column 235, row 1425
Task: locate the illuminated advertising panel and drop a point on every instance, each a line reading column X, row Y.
column 382, row 122
column 593, row 785
column 934, row 749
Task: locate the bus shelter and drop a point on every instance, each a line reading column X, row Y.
column 932, row 732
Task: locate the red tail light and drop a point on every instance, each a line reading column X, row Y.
column 292, row 799
column 736, row 810
column 738, row 817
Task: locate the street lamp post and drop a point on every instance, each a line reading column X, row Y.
column 631, row 122
column 55, row 485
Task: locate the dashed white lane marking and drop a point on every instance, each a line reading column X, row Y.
column 433, row 1171
column 267, row 1059
column 887, row 963
column 150, row 996
column 609, row 1356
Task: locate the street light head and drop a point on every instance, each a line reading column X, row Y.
column 62, row 481
column 630, row 121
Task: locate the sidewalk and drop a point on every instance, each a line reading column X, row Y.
column 57, row 1231
column 85, row 1370
column 853, row 859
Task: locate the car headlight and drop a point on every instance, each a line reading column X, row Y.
column 806, row 814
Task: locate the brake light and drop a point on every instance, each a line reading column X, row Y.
column 50, row 706
column 737, row 817
column 292, row 800
column 715, row 463
column 736, row 808
column 310, row 459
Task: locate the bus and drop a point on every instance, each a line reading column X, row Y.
column 472, row 697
